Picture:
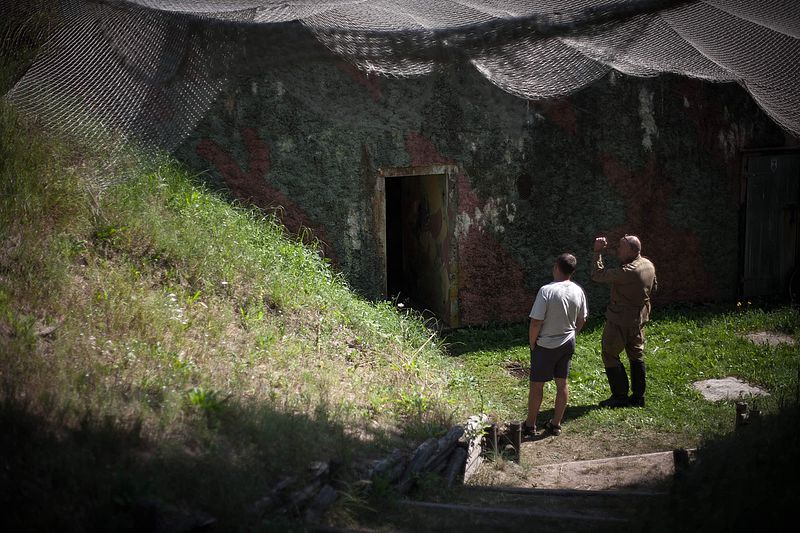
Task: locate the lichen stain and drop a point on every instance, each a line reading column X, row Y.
column 463, row 223
column 493, row 212
column 280, row 90
column 677, row 254
column 648, row 121
column 731, row 139
column 251, row 188
column 354, row 229
column 491, row 282
column 717, row 136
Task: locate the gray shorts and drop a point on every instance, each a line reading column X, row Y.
column 549, row 363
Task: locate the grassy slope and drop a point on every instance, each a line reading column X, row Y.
column 197, row 352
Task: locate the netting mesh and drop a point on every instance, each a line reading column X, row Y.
column 148, row 70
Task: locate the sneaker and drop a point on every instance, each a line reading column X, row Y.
column 552, row 429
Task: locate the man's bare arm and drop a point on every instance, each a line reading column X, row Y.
column 533, row 331
column 579, row 323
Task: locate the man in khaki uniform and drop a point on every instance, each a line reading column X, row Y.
column 627, row 312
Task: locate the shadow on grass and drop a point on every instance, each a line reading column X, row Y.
column 785, row 317
column 573, row 412
column 463, row 341
column 100, row 476
column 745, row 481
column 494, row 338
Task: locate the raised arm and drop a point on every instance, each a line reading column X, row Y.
column 600, row 273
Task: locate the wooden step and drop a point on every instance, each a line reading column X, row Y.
column 524, row 508
column 430, row 516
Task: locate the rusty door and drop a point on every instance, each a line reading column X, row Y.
column 771, row 224
column 419, row 240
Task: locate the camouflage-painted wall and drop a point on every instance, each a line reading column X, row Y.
column 658, row 157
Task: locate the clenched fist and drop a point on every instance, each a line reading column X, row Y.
column 600, row 244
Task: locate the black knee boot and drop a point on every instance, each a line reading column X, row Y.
column 638, row 383
column 618, row 381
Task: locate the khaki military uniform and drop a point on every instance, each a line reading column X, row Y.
column 629, row 308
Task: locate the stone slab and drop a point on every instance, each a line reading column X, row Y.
column 727, row 389
column 770, row 338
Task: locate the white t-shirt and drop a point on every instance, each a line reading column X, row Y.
column 558, row 304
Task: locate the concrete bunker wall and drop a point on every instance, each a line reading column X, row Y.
column 658, row 157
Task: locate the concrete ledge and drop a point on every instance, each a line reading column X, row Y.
column 645, row 470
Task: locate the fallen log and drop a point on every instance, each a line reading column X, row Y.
column 455, row 465
column 416, row 464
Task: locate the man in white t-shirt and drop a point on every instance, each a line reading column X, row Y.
column 558, row 314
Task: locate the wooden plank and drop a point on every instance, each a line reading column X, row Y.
column 455, row 466
column 444, row 446
column 580, row 493
column 643, row 471
column 417, row 463
column 390, row 468
column 511, row 512
column 474, row 457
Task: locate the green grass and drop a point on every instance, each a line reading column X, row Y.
column 682, row 346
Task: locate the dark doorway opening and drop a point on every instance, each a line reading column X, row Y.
column 394, row 237
column 418, row 243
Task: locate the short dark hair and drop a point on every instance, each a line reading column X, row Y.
column 566, row 263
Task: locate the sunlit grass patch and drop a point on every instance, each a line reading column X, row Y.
column 683, row 345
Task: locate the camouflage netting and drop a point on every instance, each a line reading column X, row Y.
column 148, row 70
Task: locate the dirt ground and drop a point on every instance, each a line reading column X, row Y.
column 584, row 461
